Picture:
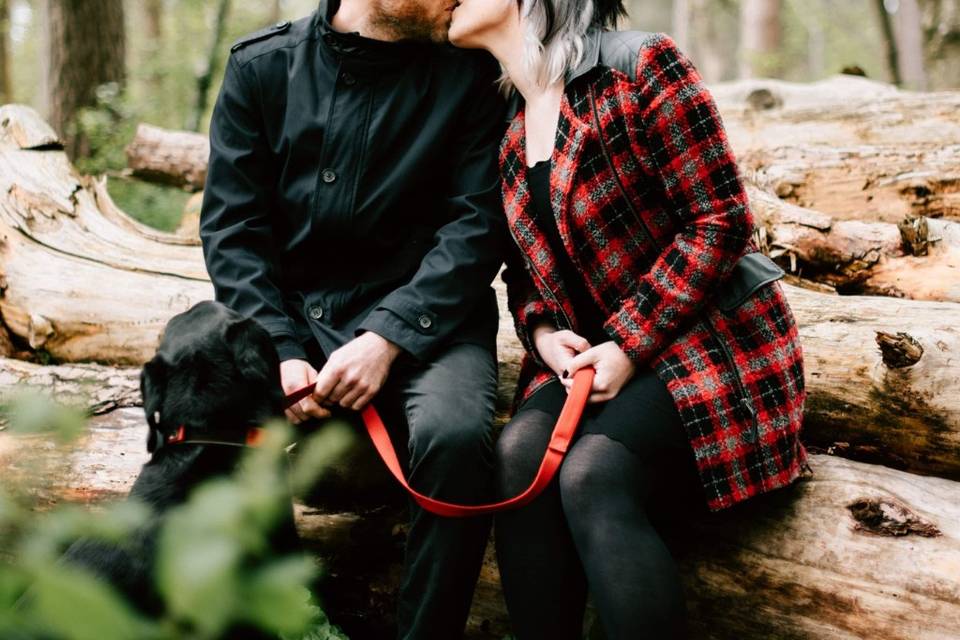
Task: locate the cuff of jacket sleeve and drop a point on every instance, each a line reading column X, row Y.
column 399, row 331
column 288, row 348
column 526, row 335
column 628, row 329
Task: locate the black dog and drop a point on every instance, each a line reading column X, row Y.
column 217, row 374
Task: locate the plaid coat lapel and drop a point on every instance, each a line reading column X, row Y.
column 569, row 141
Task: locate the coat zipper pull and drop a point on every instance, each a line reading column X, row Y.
column 748, row 408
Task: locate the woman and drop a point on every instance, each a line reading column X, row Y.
column 636, row 258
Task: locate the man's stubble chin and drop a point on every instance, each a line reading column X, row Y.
column 407, row 20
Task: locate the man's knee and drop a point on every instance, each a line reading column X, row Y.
column 451, row 430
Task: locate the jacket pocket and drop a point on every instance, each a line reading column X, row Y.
column 752, row 271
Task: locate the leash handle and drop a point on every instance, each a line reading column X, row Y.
column 563, row 433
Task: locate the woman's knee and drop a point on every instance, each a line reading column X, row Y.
column 596, row 469
column 520, row 449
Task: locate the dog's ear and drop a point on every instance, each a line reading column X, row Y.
column 153, row 384
column 253, row 350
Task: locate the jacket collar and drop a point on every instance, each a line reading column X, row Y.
column 591, row 58
column 358, row 49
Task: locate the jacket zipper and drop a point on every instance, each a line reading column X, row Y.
column 616, row 174
column 745, row 402
column 548, row 291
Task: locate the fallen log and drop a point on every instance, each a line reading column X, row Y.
column 919, row 258
column 853, row 256
column 848, row 146
column 94, row 388
column 66, row 250
column 177, row 158
column 856, row 551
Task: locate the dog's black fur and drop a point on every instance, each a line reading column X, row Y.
column 214, row 370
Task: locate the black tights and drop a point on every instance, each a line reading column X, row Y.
column 590, row 525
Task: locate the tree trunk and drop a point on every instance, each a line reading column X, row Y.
column 856, row 551
column 760, row 38
column 213, row 62
column 86, row 48
column 6, row 85
column 889, row 41
column 941, row 27
column 909, row 33
column 275, row 11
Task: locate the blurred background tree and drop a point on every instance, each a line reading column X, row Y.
column 123, row 62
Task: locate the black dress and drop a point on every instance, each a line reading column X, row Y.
column 588, row 314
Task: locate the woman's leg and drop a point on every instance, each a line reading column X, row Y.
column 604, row 488
column 542, row 578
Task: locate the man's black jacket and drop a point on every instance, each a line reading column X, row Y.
column 352, row 185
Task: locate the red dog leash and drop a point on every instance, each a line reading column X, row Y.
column 559, row 442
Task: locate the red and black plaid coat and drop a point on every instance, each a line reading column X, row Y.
column 650, row 206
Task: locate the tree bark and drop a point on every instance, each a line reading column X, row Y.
column 86, row 47
column 856, row 551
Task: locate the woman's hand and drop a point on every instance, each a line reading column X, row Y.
column 614, row 369
column 557, row 348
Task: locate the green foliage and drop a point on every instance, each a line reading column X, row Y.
column 158, row 206
column 105, row 129
column 214, row 567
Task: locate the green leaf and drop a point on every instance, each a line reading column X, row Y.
column 77, row 606
column 197, row 574
column 277, row 596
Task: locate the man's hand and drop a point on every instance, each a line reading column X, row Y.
column 355, row 372
column 557, row 348
column 296, row 374
column 614, row 369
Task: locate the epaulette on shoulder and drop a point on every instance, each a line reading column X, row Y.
column 619, row 49
column 261, row 34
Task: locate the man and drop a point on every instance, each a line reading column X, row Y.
column 352, row 207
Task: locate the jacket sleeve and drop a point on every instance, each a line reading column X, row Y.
column 679, row 137
column 456, row 273
column 526, row 305
column 235, row 228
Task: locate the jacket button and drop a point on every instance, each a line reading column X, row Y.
column 329, row 175
column 316, row 312
column 348, row 79
column 281, row 24
column 425, row 321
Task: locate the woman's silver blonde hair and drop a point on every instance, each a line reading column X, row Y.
column 548, row 56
